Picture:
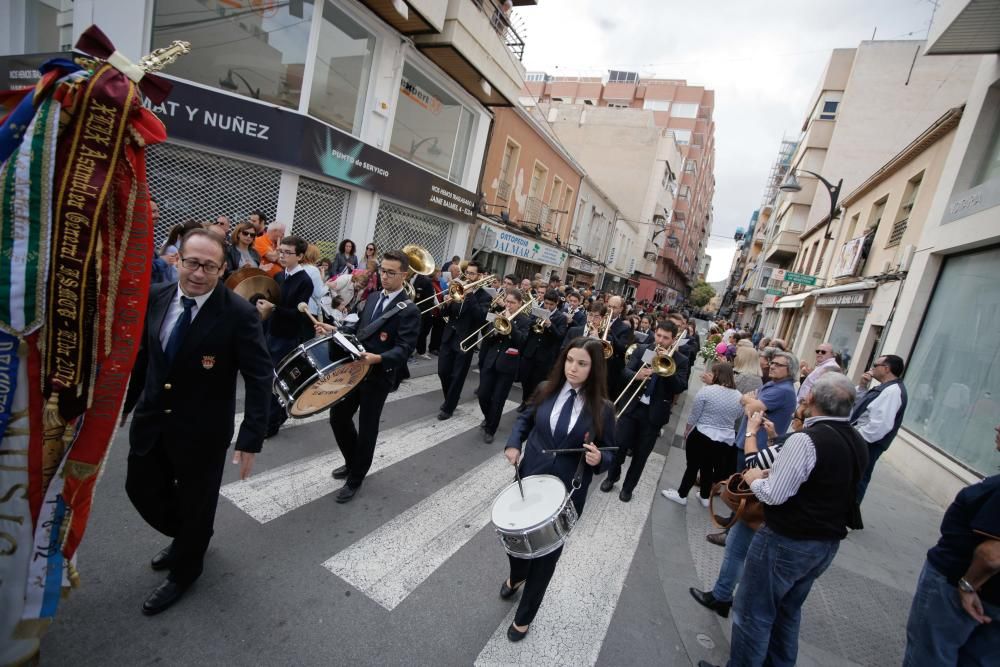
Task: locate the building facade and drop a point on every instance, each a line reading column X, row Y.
column 623, row 99
column 342, row 118
column 530, row 187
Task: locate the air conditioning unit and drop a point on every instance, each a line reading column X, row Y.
column 906, row 258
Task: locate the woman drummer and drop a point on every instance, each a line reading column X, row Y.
column 570, row 410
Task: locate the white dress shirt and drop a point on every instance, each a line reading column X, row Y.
column 792, row 466
column 174, row 311
column 386, row 297
column 560, row 402
column 806, row 386
column 880, row 416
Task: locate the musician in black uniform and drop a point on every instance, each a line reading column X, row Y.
column 648, row 412
column 197, row 336
column 570, row 410
column 464, row 316
column 423, row 288
column 388, row 330
column 576, row 314
column 591, row 326
column 286, row 326
column 621, row 337
column 542, row 347
column 500, row 360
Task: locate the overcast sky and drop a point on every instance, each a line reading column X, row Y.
column 763, row 59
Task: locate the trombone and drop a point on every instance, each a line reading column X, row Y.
column 502, row 324
column 662, row 363
column 456, row 292
column 421, row 263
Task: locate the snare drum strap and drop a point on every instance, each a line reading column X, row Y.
column 578, row 476
column 386, row 315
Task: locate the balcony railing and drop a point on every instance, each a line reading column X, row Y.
column 536, row 212
column 501, row 23
column 503, row 190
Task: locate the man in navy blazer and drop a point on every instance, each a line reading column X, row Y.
column 388, row 330
column 198, row 336
column 648, row 412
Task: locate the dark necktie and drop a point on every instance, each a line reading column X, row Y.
column 180, row 328
column 562, row 424
column 378, row 306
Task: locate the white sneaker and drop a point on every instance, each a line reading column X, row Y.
column 425, row 356
column 671, row 494
column 704, row 501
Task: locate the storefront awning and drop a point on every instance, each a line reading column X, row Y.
column 793, row 300
column 849, row 287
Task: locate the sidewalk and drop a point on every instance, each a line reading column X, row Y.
column 856, row 612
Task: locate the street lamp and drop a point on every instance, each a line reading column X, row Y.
column 792, row 184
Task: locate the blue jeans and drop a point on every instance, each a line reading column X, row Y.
column 940, row 632
column 874, row 451
column 779, row 572
column 737, row 544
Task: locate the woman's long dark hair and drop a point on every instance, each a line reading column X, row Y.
column 594, row 390
column 343, row 248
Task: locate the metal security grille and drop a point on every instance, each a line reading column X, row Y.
column 320, row 214
column 396, row 226
column 189, row 184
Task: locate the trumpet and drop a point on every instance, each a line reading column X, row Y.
column 609, row 349
column 502, row 325
column 662, row 364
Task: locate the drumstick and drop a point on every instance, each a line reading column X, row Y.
column 577, row 450
column 517, row 476
column 304, row 309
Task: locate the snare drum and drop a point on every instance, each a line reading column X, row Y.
column 539, row 523
column 317, row 374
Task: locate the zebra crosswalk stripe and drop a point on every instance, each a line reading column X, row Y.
column 392, row 561
column 582, row 597
column 276, row 492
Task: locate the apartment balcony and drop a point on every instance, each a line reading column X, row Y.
column 477, row 46
column 819, row 134
column 782, row 248
column 536, row 212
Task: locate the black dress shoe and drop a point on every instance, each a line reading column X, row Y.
column 165, row 595
column 340, row 473
column 443, row 415
column 625, row 496
column 707, row 600
column 706, row 663
column 163, row 560
column 607, row 485
column 482, row 424
column 488, row 438
column 346, row 493
column 516, row 635
column 718, row 539
column 506, row 592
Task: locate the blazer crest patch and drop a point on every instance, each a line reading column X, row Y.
column 208, row 361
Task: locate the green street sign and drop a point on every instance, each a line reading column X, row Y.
column 775, row 292
column 800, row 278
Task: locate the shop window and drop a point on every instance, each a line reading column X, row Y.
column 258, row 52
column 431, row 128
column 954, row 380
column 846, row 332
column 343, row 65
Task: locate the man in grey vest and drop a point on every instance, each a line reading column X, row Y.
column 878, row 412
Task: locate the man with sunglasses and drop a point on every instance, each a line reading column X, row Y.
column 878, row 412
column 825, row 361
column 197, row 336
column 286, row 326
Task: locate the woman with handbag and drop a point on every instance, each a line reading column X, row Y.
column 742, row 528
column 569, row 410
column 710, row 434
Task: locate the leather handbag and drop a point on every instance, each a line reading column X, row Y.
column 736, row 494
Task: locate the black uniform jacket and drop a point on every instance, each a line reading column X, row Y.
column 192, row 402
column 666, row 388
column 548, row 342
column 394, row 340
column 465, row 316
column 533, row 426
column 495, row 347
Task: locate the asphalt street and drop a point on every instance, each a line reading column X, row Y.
column 406, row 574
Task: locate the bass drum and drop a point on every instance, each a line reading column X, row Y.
column 539, row 523
column 318, row 374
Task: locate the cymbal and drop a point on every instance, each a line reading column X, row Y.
column 253, row 285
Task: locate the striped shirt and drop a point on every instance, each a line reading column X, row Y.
column 791, row 468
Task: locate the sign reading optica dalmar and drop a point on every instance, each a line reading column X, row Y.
column 509, row 243
column 235, row 124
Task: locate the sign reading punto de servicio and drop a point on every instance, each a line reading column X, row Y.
column 497, row 239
